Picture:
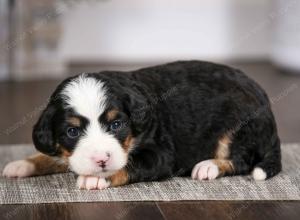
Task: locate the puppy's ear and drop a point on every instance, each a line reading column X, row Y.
column 139, row 111
column 42, row 134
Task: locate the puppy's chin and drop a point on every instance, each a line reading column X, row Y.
column 94, row 172
column 98, row 173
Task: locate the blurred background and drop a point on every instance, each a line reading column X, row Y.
column 44, row 41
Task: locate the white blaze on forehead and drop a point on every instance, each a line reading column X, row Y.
column 86, row 96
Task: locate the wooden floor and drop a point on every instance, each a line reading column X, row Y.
column 20, row 105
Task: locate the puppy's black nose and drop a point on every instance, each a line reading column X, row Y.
column 101, row 163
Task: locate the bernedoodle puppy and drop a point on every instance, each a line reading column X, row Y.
column 184, row 118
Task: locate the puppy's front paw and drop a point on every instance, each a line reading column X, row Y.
column 204, row 170
column 19, row 168
column 92, row 182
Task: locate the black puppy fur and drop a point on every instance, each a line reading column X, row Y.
column 177, row 113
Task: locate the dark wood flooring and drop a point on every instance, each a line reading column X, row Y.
column 20, row 105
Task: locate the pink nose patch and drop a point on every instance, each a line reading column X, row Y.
column 101, row 159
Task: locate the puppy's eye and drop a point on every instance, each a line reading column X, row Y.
column 115, row 125
column 73, row 132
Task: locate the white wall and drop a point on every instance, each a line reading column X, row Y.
column 159, row 30
column 3, row 39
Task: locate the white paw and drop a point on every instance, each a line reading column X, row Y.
column 19, row 168
column 205, row 170
column 92, row 182
column 259, row 174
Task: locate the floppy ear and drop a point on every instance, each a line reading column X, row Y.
column 42, row 134
column 139, row 111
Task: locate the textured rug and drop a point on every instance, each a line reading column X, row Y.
column 62, row 188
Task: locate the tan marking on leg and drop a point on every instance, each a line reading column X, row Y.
column 112, row 114
column 225, row 167
column 223, row 151
column 120, row 178
column 47, row 165
column 74, row 121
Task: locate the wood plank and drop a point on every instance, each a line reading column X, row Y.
column 82, row 211
column 230, row 210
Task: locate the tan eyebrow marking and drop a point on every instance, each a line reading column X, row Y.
column 112, row 114
column 75, row 121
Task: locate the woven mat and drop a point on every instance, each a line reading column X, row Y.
column 62, row 188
